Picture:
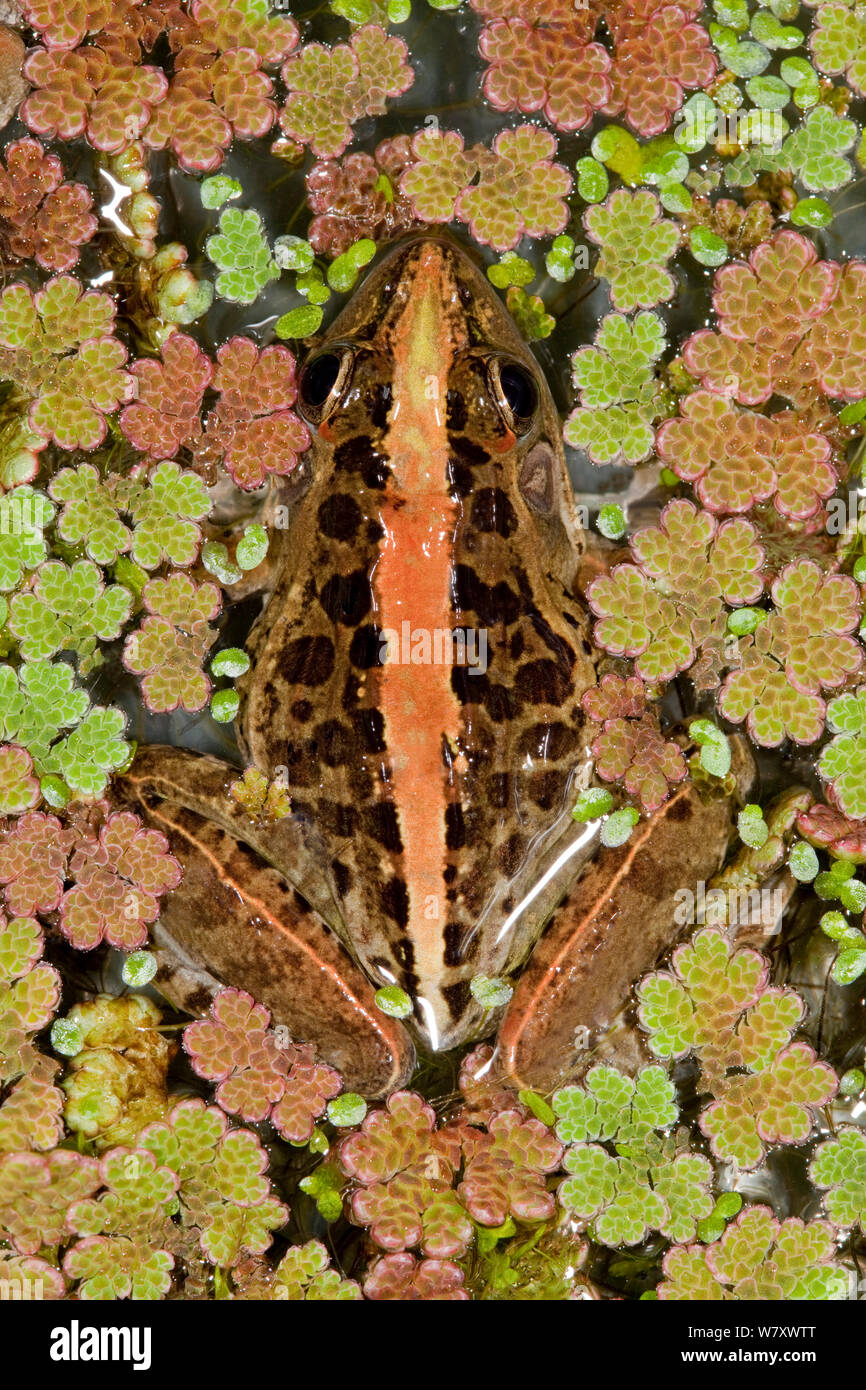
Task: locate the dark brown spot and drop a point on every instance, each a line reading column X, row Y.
column 493, row 603
column 369, row 726
column 365, row 647
column 548, row 741
column 336, row 818
column 457, row 998
column 380, row 822
column 680, row 810
column 395, row 901
column 336, row 743
column 301, row 710
column 358, row 455
column 455, row 827
column 546, row 788
column 308, row 661
column 469, row 452
column 342, row 877
column 346, row 598
column 339, row 517
column 492, row 511
column 542, row 683
column 511, row 854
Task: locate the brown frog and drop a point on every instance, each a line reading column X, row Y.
column 416, row 682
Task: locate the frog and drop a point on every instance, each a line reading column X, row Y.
column 416, row 685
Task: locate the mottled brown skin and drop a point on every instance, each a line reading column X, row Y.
column 430, row 837
column 613, row 927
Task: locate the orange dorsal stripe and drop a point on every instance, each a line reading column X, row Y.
column 413, row 584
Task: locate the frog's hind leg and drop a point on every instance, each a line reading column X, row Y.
column 236, row 920
column 618, row 920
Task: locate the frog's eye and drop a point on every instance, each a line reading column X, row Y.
column 321, row 383
column 516, row 393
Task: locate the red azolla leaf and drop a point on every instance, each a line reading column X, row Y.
column 166, row 415
column 234, row 1048
column 616, row 697
column 506, row 1169
column 826, row 828
column 253, row 427
column 349, row 202
column 403, row 1277
column 119, row 879
column 46, row 218
column 33, row 858
column 308, row 1088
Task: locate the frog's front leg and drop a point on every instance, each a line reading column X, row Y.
column 619, row 919
column 236, row 920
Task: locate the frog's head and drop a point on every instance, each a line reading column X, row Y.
column 427, row 336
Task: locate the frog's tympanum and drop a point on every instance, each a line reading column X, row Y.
column 416, row 680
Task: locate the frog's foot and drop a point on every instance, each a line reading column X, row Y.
column 620, row 919
column 233, row 511
column 236, row 920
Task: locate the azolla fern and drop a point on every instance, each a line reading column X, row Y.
column 662, row 193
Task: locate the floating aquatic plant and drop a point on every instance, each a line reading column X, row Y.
column 637, row 243
column 330, row 88
column 787, row 322
column 661, row 609
column 119, row 879
column 717, row 1003
column 805, row 647
column 619, row 390
column 360, row 196
column 172, row 642
column 256, row 1076
column 43, row 216
column 519, row 192
column 737, row 459
column 758, row 1257
column 838, row 41
column 631, row 748
column 648, row 1182
column 61, row 351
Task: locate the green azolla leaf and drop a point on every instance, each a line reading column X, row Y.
column 850, row 964
column 348, row 1109
column 224, row 706
column 490, row 991
column 293, row 253
column 67, row 1036
column 852, row 1082
column 618, row 827
column 139, row 969
column 393, row 1001
column 299, row 323
column 852, row 415
column 511, row 269
column 743, row 621
column 242, row 255
column 538, row 1107
column 715, row 754
column 216, row 560
column 752, row 827
column 231, row 662
column 770, row 93
column 218, row 189
column 812, row 212
column 803, row 862
column 707, row 247
column 252, row 547
column 592, row 180
column 592, row 804
column 611, row 521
